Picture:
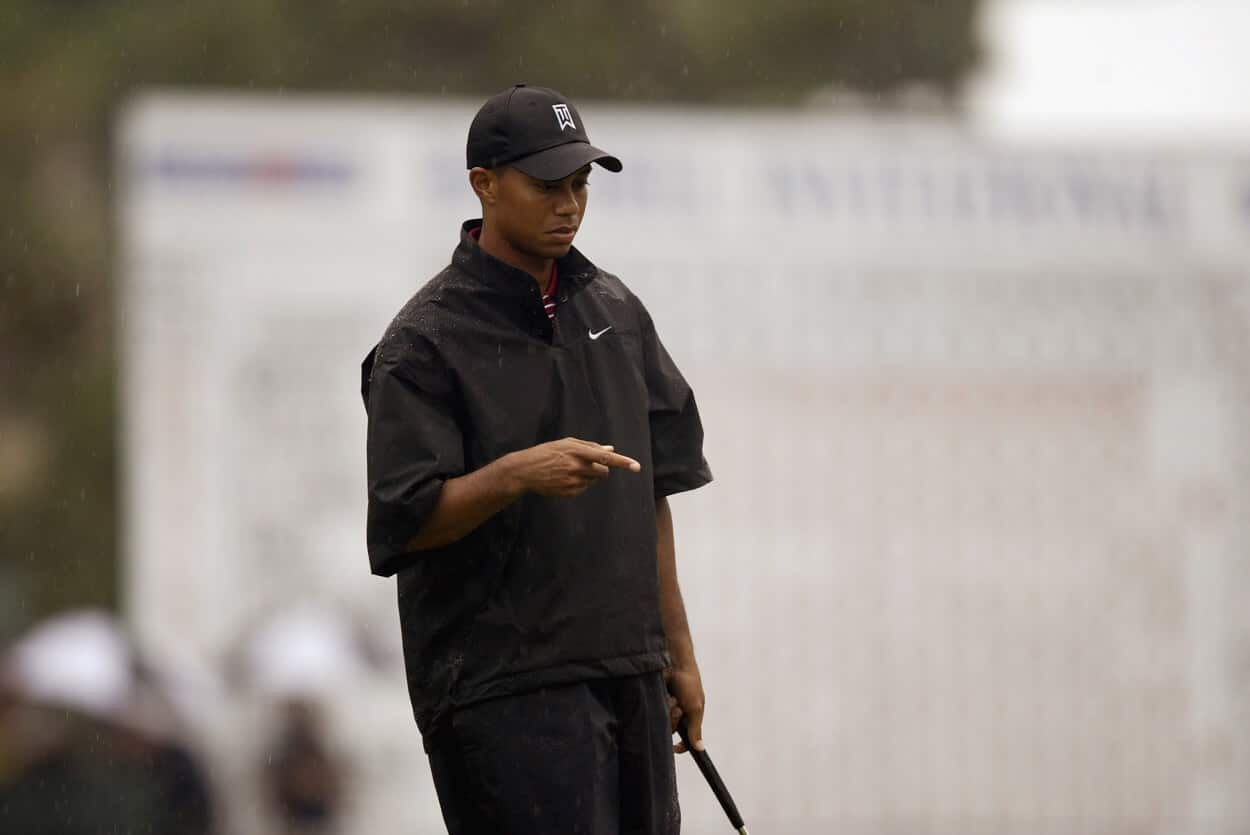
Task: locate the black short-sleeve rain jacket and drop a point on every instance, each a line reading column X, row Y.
column 550, row 590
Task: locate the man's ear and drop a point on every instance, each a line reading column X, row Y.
column 485, row 184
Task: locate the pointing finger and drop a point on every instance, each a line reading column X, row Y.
column 621, row 462
column 608, row 458
column 614, row 459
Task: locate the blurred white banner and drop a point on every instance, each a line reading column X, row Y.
column 975, row 556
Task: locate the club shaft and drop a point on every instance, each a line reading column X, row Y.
column 704, row 762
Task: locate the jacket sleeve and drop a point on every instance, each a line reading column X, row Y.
column 676, row 430
column 414, row 445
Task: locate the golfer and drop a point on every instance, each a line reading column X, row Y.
column 525, row 428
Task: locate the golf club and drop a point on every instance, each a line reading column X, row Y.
column 704, row 762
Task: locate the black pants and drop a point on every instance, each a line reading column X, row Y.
column 592, row 758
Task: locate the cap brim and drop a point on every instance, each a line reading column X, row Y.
column 562, row 160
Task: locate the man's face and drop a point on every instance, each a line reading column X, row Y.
column 539, row 217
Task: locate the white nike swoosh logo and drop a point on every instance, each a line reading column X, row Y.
column 594, row 335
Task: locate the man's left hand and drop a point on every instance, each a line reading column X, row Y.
column 685, row 689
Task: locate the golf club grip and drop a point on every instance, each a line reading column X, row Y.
column 704, row 762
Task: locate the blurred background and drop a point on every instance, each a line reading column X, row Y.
column 963, row 288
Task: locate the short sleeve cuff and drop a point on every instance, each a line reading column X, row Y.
column 391, row 528
column 682, row 479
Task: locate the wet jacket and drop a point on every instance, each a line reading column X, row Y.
column 551, row 589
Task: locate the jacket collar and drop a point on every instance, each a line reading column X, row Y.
column 575, row 269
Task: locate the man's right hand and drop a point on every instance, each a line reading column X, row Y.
column 568, row 467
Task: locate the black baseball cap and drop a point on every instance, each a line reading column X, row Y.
column 535, row 130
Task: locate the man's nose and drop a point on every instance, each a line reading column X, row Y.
column 566, row 203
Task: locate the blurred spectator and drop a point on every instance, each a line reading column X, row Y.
column 296, row 659
column 91, row 744
column 304, row 651
column 304, row 781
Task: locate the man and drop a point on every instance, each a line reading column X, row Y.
column 526, row 426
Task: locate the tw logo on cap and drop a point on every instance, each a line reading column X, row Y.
column 564, row 119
